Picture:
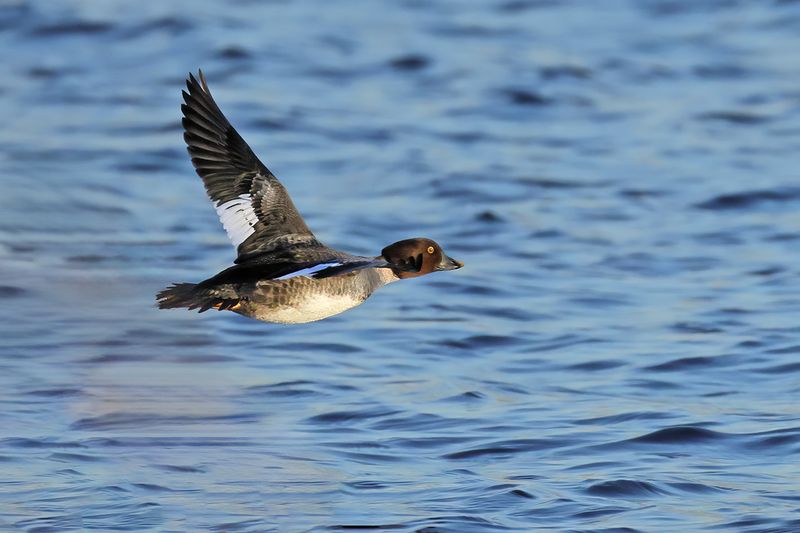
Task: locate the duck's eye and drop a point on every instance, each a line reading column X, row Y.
column 430, row 249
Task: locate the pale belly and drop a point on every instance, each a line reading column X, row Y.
column 301, row 299
column 316, row 307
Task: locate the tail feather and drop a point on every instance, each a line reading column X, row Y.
column 193, row 296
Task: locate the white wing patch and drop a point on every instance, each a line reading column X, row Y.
column 238, row 218
column 309, row 270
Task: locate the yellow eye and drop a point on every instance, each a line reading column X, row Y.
column 430, row 249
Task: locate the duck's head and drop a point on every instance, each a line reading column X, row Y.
column 417, row 257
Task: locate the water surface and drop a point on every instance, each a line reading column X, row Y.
column 620, row 353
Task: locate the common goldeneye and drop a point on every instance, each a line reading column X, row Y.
column 282, row 272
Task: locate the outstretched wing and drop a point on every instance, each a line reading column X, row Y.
column 253, row 206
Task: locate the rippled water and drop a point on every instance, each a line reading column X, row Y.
column 620, row 353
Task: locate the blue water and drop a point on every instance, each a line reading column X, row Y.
column 619, row 354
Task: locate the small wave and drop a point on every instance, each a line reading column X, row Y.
column 151, row 487
column 20, row 442
column 600, row 512
column 558, row 343
column 57, row 392
column 369, row 458
column 139, row 420
column 654, row 384
column 456, row 523
column 594, row 366
column 78, row 27
column 75, row 457
column 181, row 469
column 775, row 440
column 557, row 183
column 297, row 388
column 465, row 287
column 201, row 359
column 367, row 527
column 424, row 443
column 321, row 347
column 686, row 363
column 410, row 62
column 251, row 524
column 9, row 291
column 597, row 465
column 679, row 435
column 418, row 422
column 625, row 417
column 342, row 417
column 721, row 71
column 621, row 488
column 509, row 447
column 468, row 397
column 696, row 488
column 234, row 53
column 489, row 217
column 105, row 209
column 167, row 442
column 522, row 494
column 780, row 369
column 169, row 25
column 525, row 97
column 565, row 71
column 143, row 167
column 734, row 117
column 370, row 485
column 794, row 348
column 118, row 358
column 768, row 271
column 518, row 6
column 695, row 327
column 609, row 300
column 746, row 199
column 480, row 341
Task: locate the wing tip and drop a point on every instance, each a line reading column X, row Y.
column 200, row 112
column 198, row 82
column 203, row 80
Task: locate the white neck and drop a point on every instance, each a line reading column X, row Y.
column 387, row 275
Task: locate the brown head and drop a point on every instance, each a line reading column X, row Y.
column 417, row 257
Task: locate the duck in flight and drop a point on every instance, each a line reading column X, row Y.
column 282, row 272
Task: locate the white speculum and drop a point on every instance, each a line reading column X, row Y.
column 238, row 218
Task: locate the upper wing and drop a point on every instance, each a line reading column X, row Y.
column 254, row 207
